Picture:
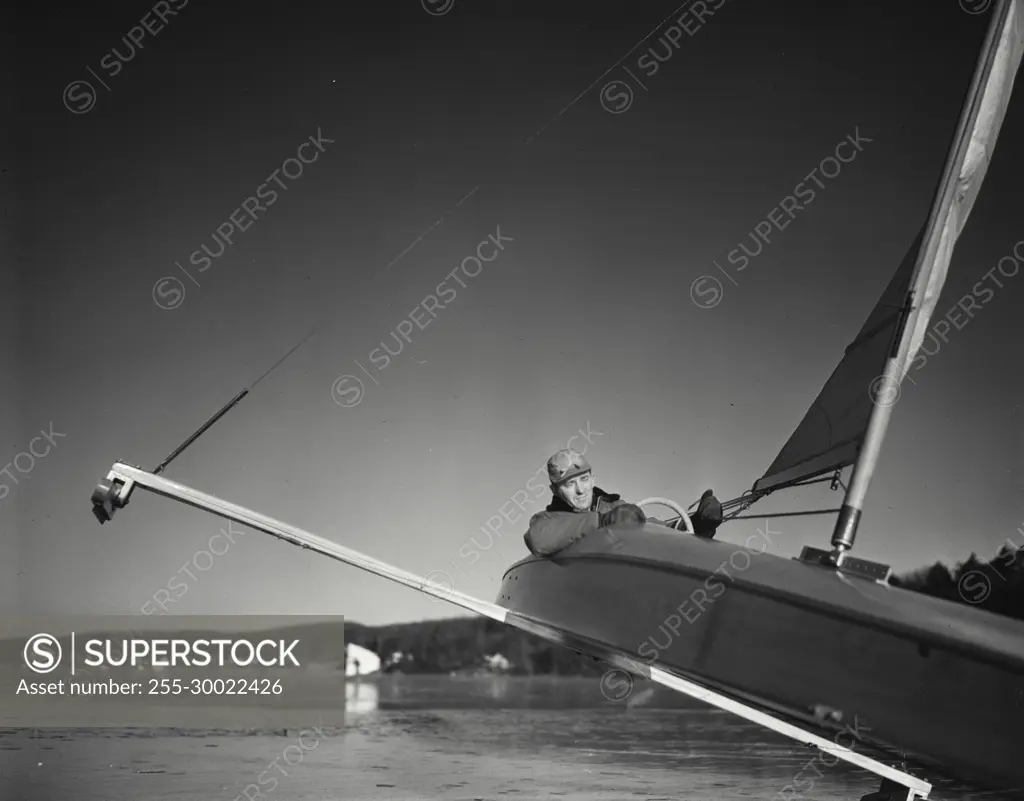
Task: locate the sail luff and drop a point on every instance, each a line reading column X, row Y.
column 969, row 156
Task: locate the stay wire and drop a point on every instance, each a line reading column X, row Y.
column 234, row 401
column 231, row 404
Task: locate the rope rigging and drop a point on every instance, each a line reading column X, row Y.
column 748, row 499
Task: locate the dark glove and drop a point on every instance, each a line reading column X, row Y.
column 627, row 514
column 708, row 516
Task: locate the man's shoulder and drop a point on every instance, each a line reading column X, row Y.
column 549, row 514
column 602, row 498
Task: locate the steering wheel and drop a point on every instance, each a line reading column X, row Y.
column 675, row 507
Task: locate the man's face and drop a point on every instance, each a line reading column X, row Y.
column 578, row 491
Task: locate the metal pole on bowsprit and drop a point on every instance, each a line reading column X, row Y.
column 105, row 494
column 174, row 454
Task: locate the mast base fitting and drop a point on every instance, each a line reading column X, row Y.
column 111, row 494
column 846, row 530
column 891, row 791
column 844, row 563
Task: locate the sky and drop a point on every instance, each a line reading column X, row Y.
column 610, row 180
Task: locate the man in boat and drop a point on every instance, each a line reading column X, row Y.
column 578, row 507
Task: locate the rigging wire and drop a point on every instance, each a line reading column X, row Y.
column 786, row 514
column 234, row 401
column 748, row 499
column 528, row 141
column 230, row 404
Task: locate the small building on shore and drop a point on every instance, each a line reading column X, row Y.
column 498, row 663
column 360, row 661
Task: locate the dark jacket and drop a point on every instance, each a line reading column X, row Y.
column 559, row 526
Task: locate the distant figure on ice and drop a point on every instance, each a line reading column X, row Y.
column 578, row 507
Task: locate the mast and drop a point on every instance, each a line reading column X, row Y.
column 980, row 119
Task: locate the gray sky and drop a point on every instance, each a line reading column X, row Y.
column 583, row 319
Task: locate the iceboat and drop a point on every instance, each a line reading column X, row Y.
column 801, row 646
column 941, row 681
column 825, row 635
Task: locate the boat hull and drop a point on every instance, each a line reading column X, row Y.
column 936, row 679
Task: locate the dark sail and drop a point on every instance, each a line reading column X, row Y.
column 833, row 431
